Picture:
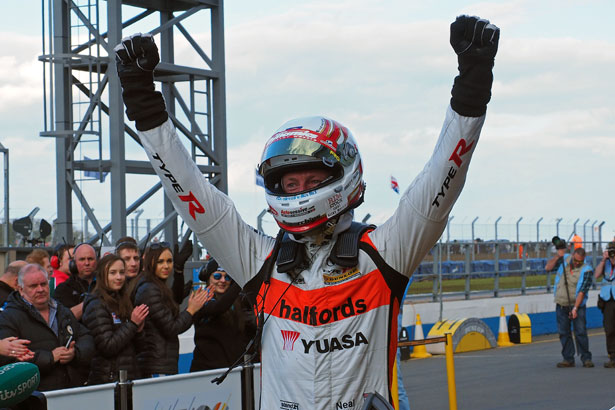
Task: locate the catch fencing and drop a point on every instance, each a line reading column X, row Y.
column 490, row 268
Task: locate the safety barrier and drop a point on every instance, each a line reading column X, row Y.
column 192, row 391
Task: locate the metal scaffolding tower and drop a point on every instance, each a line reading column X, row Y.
column 84, row 112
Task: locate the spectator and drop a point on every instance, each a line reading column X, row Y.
column 576, row 242
column 224, row 326
column 8, row 280
column 159, row 353
column 114, row 323
column 128, row 249
column 72, row 292
column 60, row 262
column 17, row 348
column 606, row 301
column 61, row 344
column 572, row 283
column 41, row 257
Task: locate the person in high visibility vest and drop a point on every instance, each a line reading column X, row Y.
column 577, row 241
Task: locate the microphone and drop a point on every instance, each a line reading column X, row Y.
column 17, row 382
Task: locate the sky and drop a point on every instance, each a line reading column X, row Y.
column 384, row 70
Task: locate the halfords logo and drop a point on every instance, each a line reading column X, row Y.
column 289, row 337
column 310, row 315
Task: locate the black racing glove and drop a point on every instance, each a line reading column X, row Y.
column 475, row 41
column 180, row 256
column 136, row 57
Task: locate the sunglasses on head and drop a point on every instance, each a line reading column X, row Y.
column 158, row 245
column 218, row 276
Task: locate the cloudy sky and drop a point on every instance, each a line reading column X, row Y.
column 383, row 69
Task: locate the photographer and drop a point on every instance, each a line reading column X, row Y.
column 572, row 283
column 606, row 300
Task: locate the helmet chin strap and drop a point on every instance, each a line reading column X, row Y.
column 328, row 230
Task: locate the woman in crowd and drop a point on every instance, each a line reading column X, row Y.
column 224, row 327
column 159, row 353
column 113, row 322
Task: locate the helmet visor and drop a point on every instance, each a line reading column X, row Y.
column 295, row 150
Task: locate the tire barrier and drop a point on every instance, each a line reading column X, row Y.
column 467, row 335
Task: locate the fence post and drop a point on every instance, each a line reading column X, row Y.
column 468, row 268
column 437, row 278
column 247, row 384
column 524, row 266
column 496, row 274
column 123, row 392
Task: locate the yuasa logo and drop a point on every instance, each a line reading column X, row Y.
column 289, row 337
column 333, row 344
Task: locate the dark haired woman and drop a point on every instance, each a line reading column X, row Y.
column 224, row 327
column 113, row 322
column 159, row 354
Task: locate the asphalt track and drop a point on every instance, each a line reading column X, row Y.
column 516, row 377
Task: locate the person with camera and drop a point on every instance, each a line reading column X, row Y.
column 572, row 282
column 606, row 299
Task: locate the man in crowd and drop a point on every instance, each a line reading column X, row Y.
column 127, row 249
column 60, row 262
column 340, row 302
column 8, row 280
column 572, row 282
column 81, row 281
column 41, row 257
column 606, row 269
column 62, row 346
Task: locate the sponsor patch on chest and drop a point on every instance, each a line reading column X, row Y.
column 338, row 276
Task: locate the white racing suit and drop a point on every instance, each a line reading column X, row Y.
column 331, row 335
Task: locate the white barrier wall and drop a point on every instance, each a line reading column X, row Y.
column 483, row 308
column 98, row 397
column 192, row 391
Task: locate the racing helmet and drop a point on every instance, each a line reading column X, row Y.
column 305, row 144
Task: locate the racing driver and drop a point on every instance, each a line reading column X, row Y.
column 327, row 290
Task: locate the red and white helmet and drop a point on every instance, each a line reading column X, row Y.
column 312, row 143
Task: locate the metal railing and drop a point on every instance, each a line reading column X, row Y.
column 492, row 268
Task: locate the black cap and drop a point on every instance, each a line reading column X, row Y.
column 208, row 269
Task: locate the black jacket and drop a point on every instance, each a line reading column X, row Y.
column 22, row 320
column 72, row 291
column 114, row 340
column 5, row 291
column 219, row 338
column 159, row 352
